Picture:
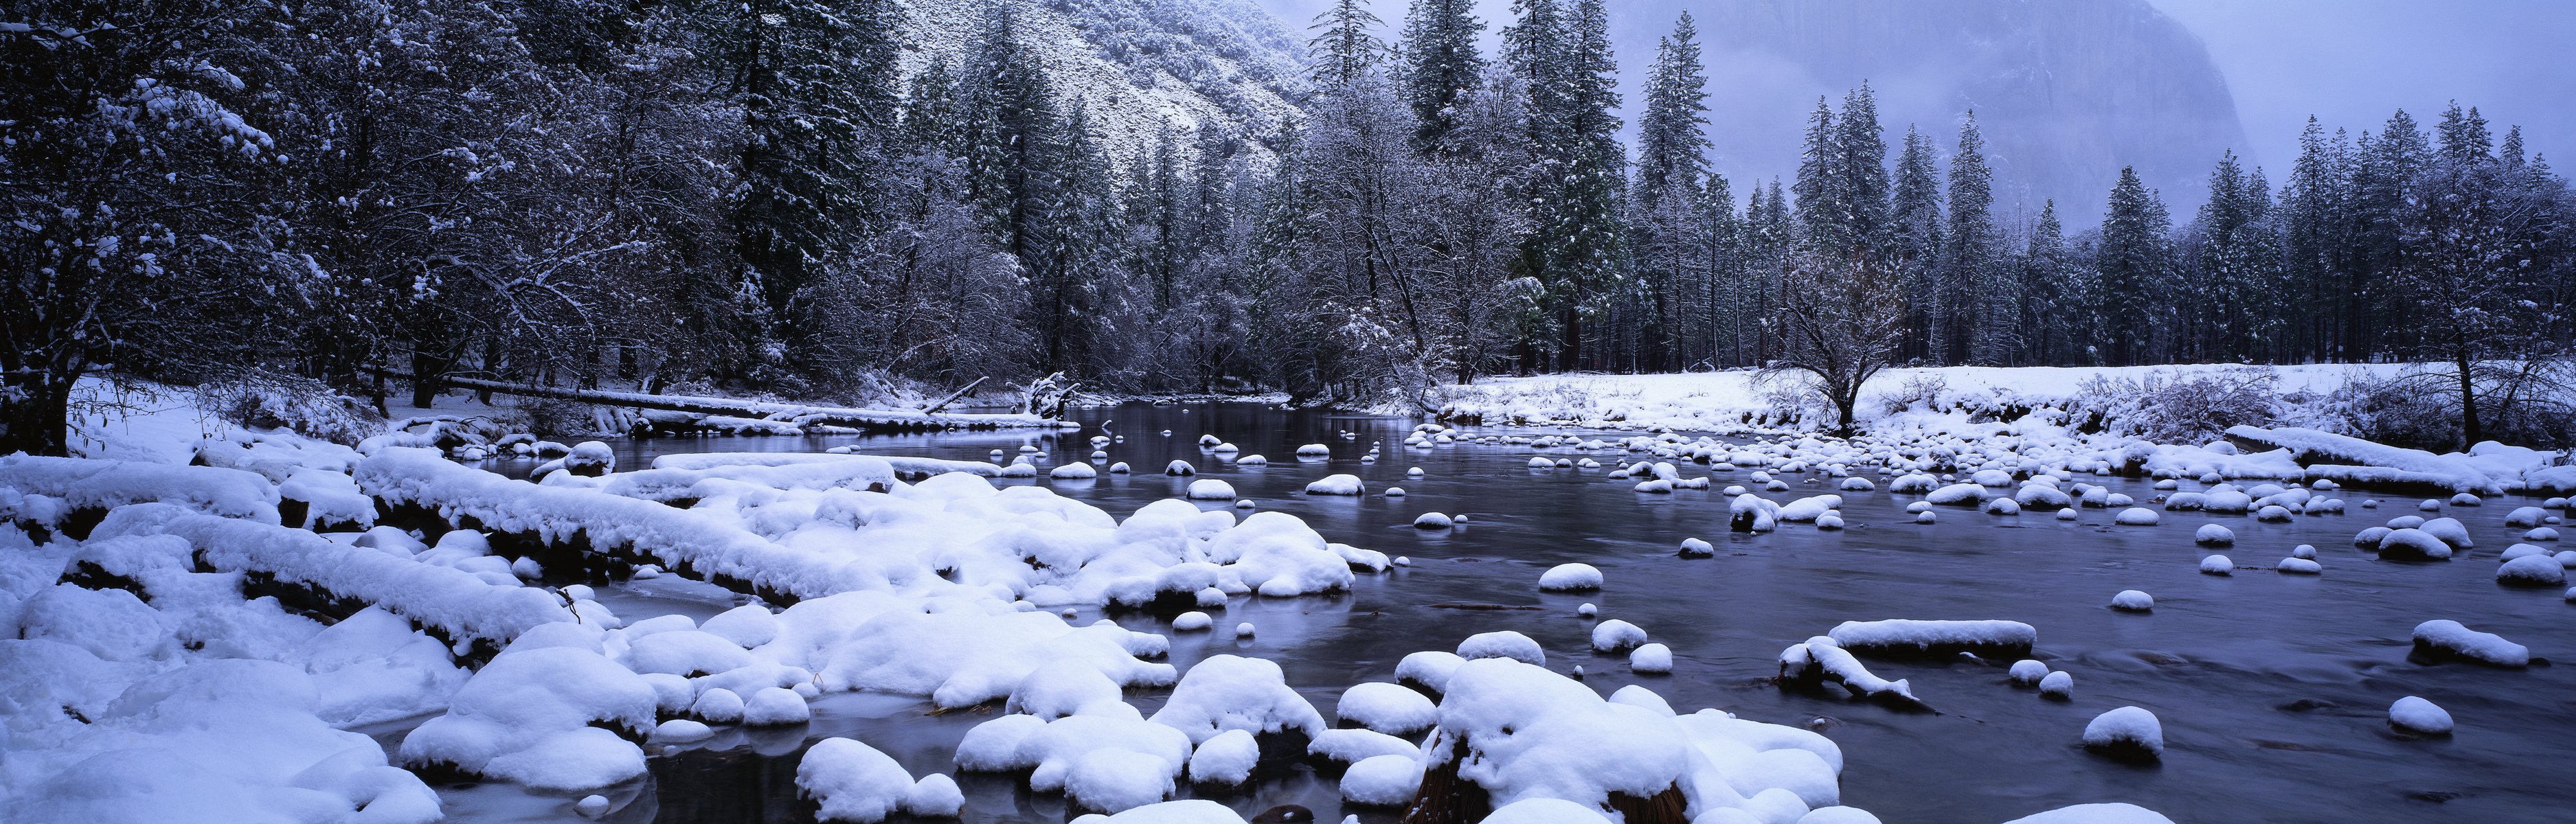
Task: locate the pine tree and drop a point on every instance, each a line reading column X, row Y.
column 1665, row 198
column 816, row 80
column 2052, row 317
column 1974, row 256
column 1346, row 50
column 1442, row 66
column 1672, row 145
column 1575, row 245
column 2130, row 265
column 2313, row 221
column 1937, row 315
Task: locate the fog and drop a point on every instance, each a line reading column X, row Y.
column 2349, row 62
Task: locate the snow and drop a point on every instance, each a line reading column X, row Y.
column 2299, row 566
column 1927, row 636
column 2027, row 672
column 104, row 485
column 1210, row 489
column 2417, row 715
column 1430, row 668
column 1545, row 811
column 1225, row 760
column 1347, row 746
column 529, row 715
column 1386, row 708
column 1383, row 781
column 2346, row 459
column 1227, row 692
column 1337, row 485
column 1502, row 644
column 452, row 600
column 2532, row 571
column 1570, row 578
column 2058, row 685
column 852, row 781
column 2095, row 814
column 2214, row 535
column 1614, row 635
column 1190, row 811
column 2448, row 637
column 2133, row 601
column 1822, row 659
column 2137, row 516
column 2412, row 545
column 2217, row 565
column 1652, row 659
column 1432, row 520
column 2127, row 729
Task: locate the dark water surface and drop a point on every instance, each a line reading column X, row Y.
column 2273, row 689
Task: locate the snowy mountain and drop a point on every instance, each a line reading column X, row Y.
column 1140, row 65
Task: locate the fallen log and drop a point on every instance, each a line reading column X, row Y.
column 803, row 415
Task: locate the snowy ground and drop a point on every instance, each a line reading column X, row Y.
column 1929, row 416
column 1722, row 401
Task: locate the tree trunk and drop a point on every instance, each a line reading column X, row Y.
column 427, row 371
column 2470, row 432
column 36, row 419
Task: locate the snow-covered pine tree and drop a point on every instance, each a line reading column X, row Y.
column 1938, row 314
column 1664, row 200
column 1974, row 255
column 1442, row 65
column 1347, row 47
column 816, row 83
column 2314, row 223
column 2131, row 263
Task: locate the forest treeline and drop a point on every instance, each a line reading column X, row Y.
column 755, row 197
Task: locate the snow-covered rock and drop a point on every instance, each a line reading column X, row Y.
column 2127, row 731
column 2419, row 716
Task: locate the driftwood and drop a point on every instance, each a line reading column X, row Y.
column 952, row 398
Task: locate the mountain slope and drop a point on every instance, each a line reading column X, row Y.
column 1139, row 66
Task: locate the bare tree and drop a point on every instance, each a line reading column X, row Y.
column 1838, row 323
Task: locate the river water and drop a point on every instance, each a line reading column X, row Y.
column 2273, row 689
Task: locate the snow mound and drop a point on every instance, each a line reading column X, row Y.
column 2137, row 516
column 1614, row 635
column 2419, row 716
column 852, row 781
column 1570, row 578
column 2127, row 731
column 2133, row 601
column 1337, row 485
column 1210, row 489
column 2447, row 638
column 1382, row 781
column 1387, row 708
column 1227, row 692
column 1503, row 644
column 553, row 717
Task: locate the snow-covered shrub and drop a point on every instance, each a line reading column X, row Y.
column 305, row 406
column 2168, row 408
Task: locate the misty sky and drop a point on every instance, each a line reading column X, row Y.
column 2350, row 62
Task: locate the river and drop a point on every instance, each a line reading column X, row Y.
column 2273, row 689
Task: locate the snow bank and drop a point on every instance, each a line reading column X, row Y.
column 85, row 484
column 2346, row 459
column 456, row 603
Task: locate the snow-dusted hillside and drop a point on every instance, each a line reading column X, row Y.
column 1140, row 66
